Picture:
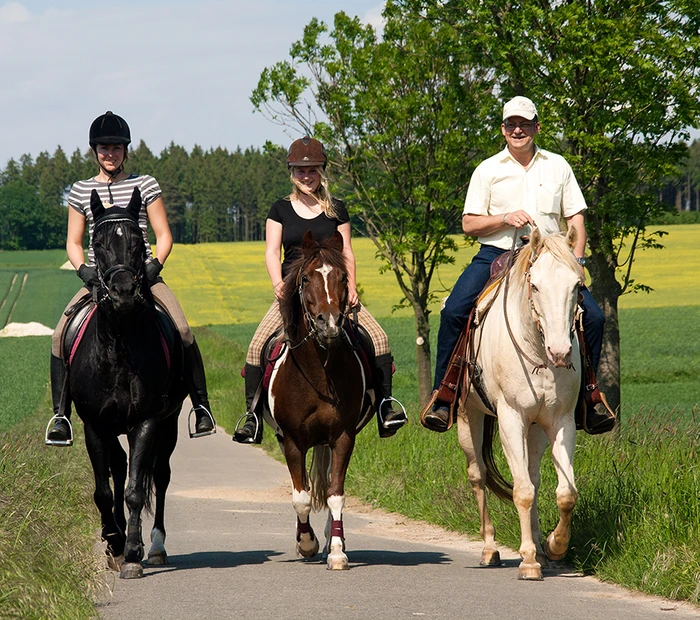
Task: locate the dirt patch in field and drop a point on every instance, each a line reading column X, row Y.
column 16, row 330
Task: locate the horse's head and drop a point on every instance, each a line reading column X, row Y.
column 120, row 250
column 553, row 277
column 317, row 289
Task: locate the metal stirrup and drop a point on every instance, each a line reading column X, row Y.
column 244, row 418
column 58, row 442
column 398, row 422
column 193, row 429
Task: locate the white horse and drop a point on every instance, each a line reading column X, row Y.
column 526, row 348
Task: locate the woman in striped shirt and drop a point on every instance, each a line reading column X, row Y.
column 109, row 140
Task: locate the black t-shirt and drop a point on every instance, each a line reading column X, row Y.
column 294, row 227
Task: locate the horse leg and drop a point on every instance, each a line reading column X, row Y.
column 117, row 464
column 166, row 440
column 563, row 441
column 335, row 537
column 537, row 444
column 470, row 432
column 99, row 454
column 514, row 438
column 307, row 543
column 140, row 466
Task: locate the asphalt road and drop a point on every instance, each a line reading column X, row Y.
column 230, row 539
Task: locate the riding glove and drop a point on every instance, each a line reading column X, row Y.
column 153, row 269
column 88, row 275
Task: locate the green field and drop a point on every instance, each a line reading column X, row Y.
column 638, row 518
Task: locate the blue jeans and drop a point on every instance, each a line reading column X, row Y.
column 459, row 304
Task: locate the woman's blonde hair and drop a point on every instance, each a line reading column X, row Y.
column 322, row 193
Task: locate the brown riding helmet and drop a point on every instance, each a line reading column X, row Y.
column 306, row 151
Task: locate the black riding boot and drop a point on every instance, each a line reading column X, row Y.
column 388, row 418
column 194, row 369
column 252, row 429
column 61, row 433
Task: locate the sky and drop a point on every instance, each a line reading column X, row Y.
column 177, row 70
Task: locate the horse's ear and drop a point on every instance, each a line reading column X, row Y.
column 572, row 237
column 535, row 240
column 96, row 206
column 134, row 206
column 336, row 241
column 308, row 242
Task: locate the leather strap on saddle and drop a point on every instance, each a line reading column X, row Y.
column 449, row 389
column 589, row 394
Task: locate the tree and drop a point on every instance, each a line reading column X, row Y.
column 617, row 85
column 404, row 118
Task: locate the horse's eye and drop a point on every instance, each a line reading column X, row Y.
column 304, row 280
column 345, row 277
column 534, row 289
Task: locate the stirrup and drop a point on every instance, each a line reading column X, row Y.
column 397, row 422
column 244, row 419
column 58, row 442
column 193, row 429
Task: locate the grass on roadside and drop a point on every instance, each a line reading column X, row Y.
column 47, row 526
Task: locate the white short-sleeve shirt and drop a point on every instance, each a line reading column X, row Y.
column 547, row 190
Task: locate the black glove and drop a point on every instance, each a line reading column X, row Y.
column 88, row 275
column 152, row 270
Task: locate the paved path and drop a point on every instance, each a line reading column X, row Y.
column 230, row 528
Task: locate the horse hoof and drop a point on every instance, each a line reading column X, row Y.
column 490, row 558
column 542, row 560
column 115, row 562
column 308, row 551
column 157, row 559
column 338, row 562
column 131, row 570
column 530, row 572
column 551, row 554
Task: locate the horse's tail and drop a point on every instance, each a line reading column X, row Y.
column 320, row 476
column 494, row 480
column 149, row 464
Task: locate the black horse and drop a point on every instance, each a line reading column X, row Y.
column 126, row 377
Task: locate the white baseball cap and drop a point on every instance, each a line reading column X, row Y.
column 520, row 106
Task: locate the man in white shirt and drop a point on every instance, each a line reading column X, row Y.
column 520, row 187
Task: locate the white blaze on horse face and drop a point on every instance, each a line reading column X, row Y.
column 324, row 270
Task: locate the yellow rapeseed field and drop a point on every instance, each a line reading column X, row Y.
column 224, row 283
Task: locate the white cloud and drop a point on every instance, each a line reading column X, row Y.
column 374, row 18
column 13, row 13
column 177, row 71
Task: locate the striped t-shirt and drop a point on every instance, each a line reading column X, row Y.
column 79, row 199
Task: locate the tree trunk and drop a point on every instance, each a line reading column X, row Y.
column 425, row 374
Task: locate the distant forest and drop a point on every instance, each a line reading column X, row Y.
column 214, row 195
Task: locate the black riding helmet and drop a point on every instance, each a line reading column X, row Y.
column 109, row 129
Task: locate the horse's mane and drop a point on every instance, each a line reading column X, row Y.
column 290, row 304
column 555, row 244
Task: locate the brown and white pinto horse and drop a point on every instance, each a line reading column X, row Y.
column 530, row 368
column 317, row 391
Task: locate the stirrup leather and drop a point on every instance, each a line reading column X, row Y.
column 55, row 442
column 396, row 423
column 242, row 422
column 192, row 429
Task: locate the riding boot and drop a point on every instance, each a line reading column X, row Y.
column 389, row 418
column 194, row 369
column 61, row 433
column 252, row 429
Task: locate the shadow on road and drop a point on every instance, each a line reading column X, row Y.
column 371, row 557
column 218, row 559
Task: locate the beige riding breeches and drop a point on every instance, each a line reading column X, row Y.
column 272, row 321
column 161, row 293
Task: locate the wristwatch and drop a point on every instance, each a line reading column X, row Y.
column 581, row 260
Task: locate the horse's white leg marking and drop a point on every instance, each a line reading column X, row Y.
column 470, row 431
column 324, row 270
column 337, row 560
column 270, row 397
column 157, row 554
column 514, row 430
column 307, row 543
column 563, row 440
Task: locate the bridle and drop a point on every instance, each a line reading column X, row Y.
column 105, row 278
column 536, row 366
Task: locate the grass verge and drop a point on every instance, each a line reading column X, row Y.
column 47, row 526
